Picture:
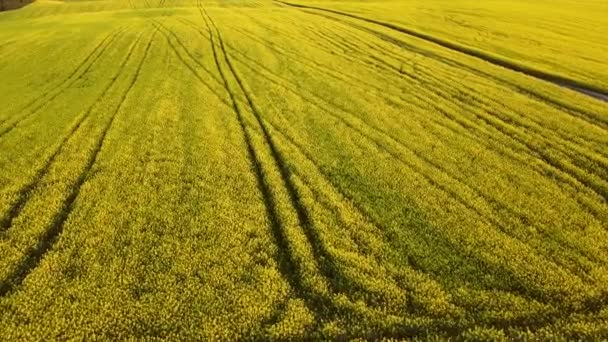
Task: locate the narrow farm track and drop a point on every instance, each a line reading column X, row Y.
column 597, row 93
column 26, row 191
column 507, row 132
column 81, row 70
column 35, row 254
column 431, row 163
column 324, row 261
column 288, row 266
column 326, row 264
column 303, row 170
column 591, row 117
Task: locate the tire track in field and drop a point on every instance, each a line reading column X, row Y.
column 343, row 77
column 579, row 113
column 35, row 254
column 192, row 69
column 237, row 51
column 378, row 226
column 346, row 78
column 314, row 65
column 318, row 67
column 236, row 77
column 368, row 220
column 524, row 121
column 592, row 304
column 109, row 38
column 57, row 90
column 65, row 80
column 440, row 123
column 261, row 67
column 566, row 141
column 565, row 138
column 594, row 185
column 453, row 63
column 485, row 138
column 492, row 143
column 328, row 71
column 333, row 185
column 579, row 160
column 390, row 137
column 560, row 241
column 488, row 219
column 581, row 88
column 288, row 266
column 491, row 201
column 511, row 130
column 24, row 194
column 496, row 125
column 188, row 52
column 321, row 254
column 325, row 262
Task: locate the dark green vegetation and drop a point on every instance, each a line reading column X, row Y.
column 6, row 5
column 252, row 170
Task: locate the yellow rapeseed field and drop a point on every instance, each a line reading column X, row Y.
column 304, row 170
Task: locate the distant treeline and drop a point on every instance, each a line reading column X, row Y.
column 6, row 5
